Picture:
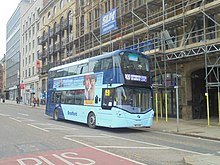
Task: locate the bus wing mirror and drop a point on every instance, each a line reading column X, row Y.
column 110, row 83
column 96, row 99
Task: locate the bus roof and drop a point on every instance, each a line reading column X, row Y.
column 69, row 64
column 107, row 54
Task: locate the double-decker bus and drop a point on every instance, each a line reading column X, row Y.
column 110, row 90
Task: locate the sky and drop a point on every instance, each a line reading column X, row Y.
column 6, row 10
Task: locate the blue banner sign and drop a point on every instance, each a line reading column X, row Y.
column 108, row 21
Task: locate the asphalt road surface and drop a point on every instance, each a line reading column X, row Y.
column 29, row 137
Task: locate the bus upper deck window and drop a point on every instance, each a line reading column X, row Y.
column 97, row 66
column 72, row 70
column 132, row 57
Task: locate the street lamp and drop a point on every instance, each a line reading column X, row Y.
column 19, row 77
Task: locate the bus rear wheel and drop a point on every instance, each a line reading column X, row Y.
column 91, row 121
column 55, row 114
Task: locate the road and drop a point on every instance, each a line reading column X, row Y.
column 28, row 136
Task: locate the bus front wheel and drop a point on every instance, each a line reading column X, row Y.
column 91, row 121
column 56, row 114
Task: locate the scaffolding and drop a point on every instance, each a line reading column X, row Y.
column 171, row 32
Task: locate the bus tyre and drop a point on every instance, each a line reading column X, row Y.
column 91, row 120
column 55, row 114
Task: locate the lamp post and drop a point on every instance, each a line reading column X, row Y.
column 19, row 77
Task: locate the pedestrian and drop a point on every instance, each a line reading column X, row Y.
column 17, row 99
column 38, row 102
column 34, row 101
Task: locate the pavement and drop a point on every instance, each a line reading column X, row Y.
column 196, row 128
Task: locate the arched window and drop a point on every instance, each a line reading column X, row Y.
column 61, row 22
column 55, row 27
column 69, row 32
column 70, row 21
column 30, row 21
column 49, row 15
column 26, row 24
column 43, row 20
column 55, row 30
column 54, row 10
column 70, row 18
column 62, row 29
column 62, row 39
column 61, row 4
column 44, row 35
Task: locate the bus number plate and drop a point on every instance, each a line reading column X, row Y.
column 137, row 125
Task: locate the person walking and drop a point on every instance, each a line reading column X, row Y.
column 34, row 101
column 17, row 99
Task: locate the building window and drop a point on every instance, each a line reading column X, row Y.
column 61, row 4
column 44, row 21
column 49, row 15
column 54, row 10
column 29, row 59
column 38, row 54
column 106, row 7
column 77, row 27
column 43, row 84
column 29, row 72
column 33, row 57
column 33, row 29
column 96, row 17
column 26, row 37
column 81, row 2
column 38, row 40
column 30, row 33
column 82, row 24
column 38, row 26
column 29, row 46
column 33, row 71
column 90, row 20
column 33, row 16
